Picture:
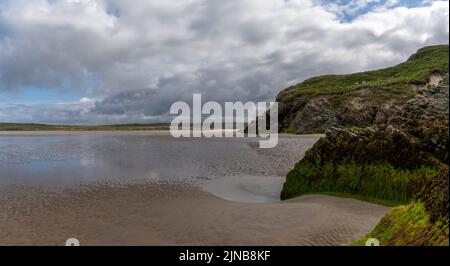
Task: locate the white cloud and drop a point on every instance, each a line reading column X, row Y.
column 139, row 56
column 86, row 100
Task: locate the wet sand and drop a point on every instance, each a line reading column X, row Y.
column 113, row 132
column 231, row 168
column 132, row 193
column 150, row 213
column 82, row 132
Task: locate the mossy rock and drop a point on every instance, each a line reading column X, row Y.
column 424, row 222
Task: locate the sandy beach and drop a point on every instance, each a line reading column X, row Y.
column 150, row 213
column 103, row 192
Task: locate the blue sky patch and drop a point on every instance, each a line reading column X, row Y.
column 32, row 95
column 347, row 10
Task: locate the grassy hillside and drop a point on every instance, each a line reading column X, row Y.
column 362, row 99
column 42, row 127
column 417, row 70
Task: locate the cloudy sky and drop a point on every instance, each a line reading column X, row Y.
column 121, row 61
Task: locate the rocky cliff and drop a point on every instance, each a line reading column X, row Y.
column 398, row 157
column 401, row 159
column 417, row 135
column 360, row 99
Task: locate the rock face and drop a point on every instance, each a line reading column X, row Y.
column 383, row 142
column 426, row 117
column 307, row 115
column 316, row 114
column 368, row 145
column 406, row 154
column 382, row 163
column 418, row 135
column 369, row 98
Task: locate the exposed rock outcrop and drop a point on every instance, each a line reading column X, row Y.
column 368, row 145
column 426, row 117
column 315, row 114
column 307, row 115
column 367, row 98
column 418, row 135
column 403, row 159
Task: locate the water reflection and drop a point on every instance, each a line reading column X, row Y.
column 230, row 168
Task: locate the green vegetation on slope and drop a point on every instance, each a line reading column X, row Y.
column 417, row 70
column 409, row 225
column 376, row 181
column 424, row 222
column 399, row 144
column 40, row 127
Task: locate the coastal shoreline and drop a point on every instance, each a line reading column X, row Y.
column 112, row 132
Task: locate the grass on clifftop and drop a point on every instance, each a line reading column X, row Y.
column 417, row 70
column 379, row 182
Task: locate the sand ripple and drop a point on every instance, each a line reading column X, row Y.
column 151, row 213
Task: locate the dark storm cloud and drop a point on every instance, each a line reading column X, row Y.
column 138, row 57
